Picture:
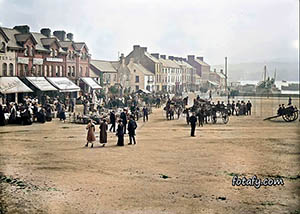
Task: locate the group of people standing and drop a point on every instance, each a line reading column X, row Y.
column 125, row 123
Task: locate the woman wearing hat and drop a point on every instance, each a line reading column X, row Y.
column 103, row 132
column 91, row 134
column 120, row 133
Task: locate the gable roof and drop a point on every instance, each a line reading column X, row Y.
column 201, row 62
column 78, row 46
column 136, row 66
column 24, row 37
column 151, row 57
column 169, row 63
column 38, row 37
column 104, row 66
column 10, row 34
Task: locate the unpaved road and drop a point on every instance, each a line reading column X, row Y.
column 166, row 172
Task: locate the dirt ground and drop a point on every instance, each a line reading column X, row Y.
column 45, row 168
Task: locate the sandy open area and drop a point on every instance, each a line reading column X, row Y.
column 46, row 168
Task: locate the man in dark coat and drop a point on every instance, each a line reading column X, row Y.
column 193, row 121
column 2, row 117
column 103, row 132
column 112, row 118
column 131, row 130
column 232, row 108
column 249, row 106
column 145, row 113
column 123, row 116
column 120, row 134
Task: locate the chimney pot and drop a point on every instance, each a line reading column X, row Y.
column 46, row 32
column 163, row 56
column 70, row 36
column 60, row 34
column 22, row 28
column 191, row 57
column 171, row 57
column 156, row 55
column 200, row 58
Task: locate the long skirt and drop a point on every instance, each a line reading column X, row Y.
column 120, row 141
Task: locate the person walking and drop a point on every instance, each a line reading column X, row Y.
column 123, row 116
column 112, row 118
column 90, row 134
column 232, row 108
column 103, row 132
column 145, row 114
column 131, row 130
column 193, row 121
column 120, row 133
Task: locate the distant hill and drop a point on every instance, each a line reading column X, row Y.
column 254, row 71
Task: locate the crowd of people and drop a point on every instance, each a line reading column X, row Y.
column 126, row 122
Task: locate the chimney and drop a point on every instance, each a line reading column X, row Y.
column 144, row 49
column 171, row 57
column 60, row 34
column 215, row 70
column 163, row 56
column 22, row 28
column 70, row 36
column 122, row 59
column 191, row 57
column 200, row 58
column 184, row 59
column 135, row 47
column 156, row 55
column 46, row 32
column 221, row 70
column 176, row 58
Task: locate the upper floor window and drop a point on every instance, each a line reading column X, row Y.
column 26, row 53
column 2, row 47
column 81, row 72
column 137, row 79
column 11, row 69
column 87, row 72
column 4, row 69
column 31, row 51
column 55, row 53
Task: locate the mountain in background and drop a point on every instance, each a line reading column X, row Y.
column 254, row 71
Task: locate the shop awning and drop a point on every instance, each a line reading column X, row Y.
column 63, row 84
column 41, row 83
column 213, row 83
column 9, row 85
column 143, row 91
column 90, row 82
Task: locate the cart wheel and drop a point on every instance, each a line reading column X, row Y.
column 214, row 120
column 225, row 118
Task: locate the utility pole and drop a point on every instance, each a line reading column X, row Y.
column 226, row 84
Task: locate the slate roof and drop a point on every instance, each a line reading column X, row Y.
column 151, row 57
column 10, row 33
column 169, row 63
column 136, row 66
column 104, row 66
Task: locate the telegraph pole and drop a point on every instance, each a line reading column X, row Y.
column 226, row 84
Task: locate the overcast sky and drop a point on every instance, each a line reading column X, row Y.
column 243, row 30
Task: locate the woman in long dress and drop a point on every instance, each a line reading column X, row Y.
column 103, row 132
column 91, row 134
column 120, row 133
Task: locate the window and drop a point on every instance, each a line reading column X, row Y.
column 70, row 55
column 137, row 79
column 31, row 51
column 73, row 71
column 137, row 88
column 26, row 53
column 52, row 71
column 4, row 69
column 81, row 72
column 33, row 71
column 11, row 69
column 87, row 72
column 2, row 47
column 57, row 71
column 26, row 70
column 39, row 73
column 69, row 71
